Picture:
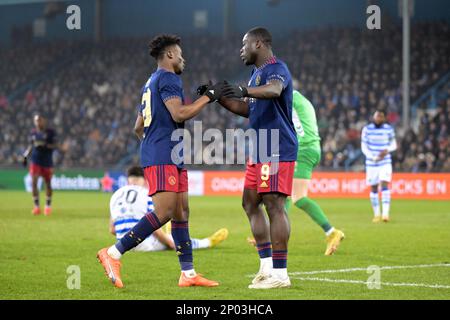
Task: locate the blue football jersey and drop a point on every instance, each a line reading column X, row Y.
column 157, row 144
column 40, row 153
column 273, row 114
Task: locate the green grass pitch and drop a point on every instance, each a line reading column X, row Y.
column 35, row 252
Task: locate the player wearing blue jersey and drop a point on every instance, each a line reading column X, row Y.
column 377, row 142
column 161, row 113
column 42, row 144
column 267, row 102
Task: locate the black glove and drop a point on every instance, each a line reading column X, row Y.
column 214, row 92
column 234, row 91
column 24, row 161
column 202, row 89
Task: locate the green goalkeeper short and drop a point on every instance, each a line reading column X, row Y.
column 307, row 160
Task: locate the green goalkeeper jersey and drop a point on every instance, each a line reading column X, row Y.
column 305, row 122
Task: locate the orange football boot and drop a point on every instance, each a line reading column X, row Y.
column 48, row 211
column 111, row 266
column 36, row 211
column 198, row 281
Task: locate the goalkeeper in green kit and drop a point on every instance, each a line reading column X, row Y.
column 308, row 157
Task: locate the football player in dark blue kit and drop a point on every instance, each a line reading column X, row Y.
column 161, row 113
column 267, row 102
column 42, row 144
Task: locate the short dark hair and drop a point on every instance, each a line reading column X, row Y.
column 135, row 171
column 379, row 110
column 262, row 34
column 160, row 43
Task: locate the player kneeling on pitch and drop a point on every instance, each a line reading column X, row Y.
column 131, row 202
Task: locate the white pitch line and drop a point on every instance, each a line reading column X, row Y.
column 434, row 286
column 365, row 269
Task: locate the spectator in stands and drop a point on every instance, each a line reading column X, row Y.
column 91, row 91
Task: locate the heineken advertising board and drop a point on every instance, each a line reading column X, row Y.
column 83, row 180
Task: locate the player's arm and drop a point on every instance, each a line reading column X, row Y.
column 237, row 106
column 271, row 90
column 112, row 229
column 277, row 79
column 391, row 147
column 53, row 146
column 52, row 143
column 171, row 92
column 139, row 126
column 365, row 148
column 164, row 238
column 392, row 144
column 26, row 154
column 112, row 216
column 180, row 112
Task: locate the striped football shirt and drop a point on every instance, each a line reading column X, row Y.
column 127, row 206
column 374, row 140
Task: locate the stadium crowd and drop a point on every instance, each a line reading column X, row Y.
column 348, row 73
column 90, row 91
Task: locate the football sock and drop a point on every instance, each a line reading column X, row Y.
column 329, row 231
column 314, row 211
column 280, row 273
column 265, row 257
column 183, row 246
column 114, row 253
column 386, row 201
column 279, row 258
column 264, row 250
column 265, row 265
column 189, row 273
column 138, row 233
column 48, row 201
column 375, row 201
column 36, row 201
column 200, row 243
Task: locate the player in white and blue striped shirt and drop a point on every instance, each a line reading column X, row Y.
column 377, row 142
column 131, row 202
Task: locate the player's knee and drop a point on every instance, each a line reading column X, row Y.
column 274, row 207
column 183, row 214
column 168, row 213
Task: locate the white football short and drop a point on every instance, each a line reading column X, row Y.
column 376, row 174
